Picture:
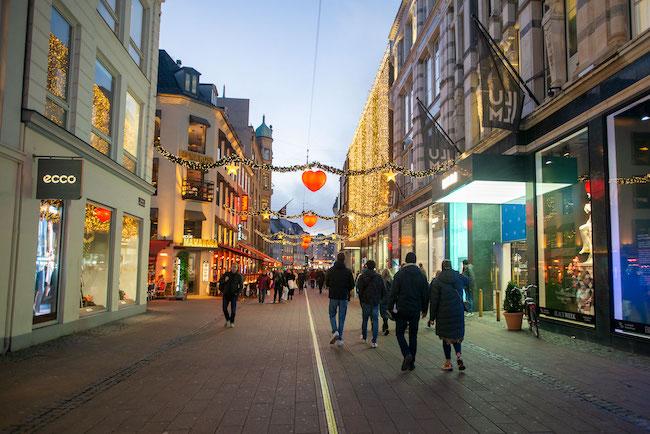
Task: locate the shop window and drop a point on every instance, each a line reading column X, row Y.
column 108, row 11
column 566, row 285
column 58, row 66
column 196, row 137
column 131, row 133
column 48, row 257
column 95, row 263
column 629, row 193
column 436, row 238
column 135, row 32
column 102, row 113
column 406, row 242
column 640, row 16
column 153, row 228
column 422, row 238
column 129, row 259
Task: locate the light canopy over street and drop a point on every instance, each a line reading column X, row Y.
column 325, row 217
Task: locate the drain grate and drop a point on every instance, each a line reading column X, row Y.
column 549, row 380
column 50, row 414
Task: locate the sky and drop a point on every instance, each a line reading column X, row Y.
column 263, row 50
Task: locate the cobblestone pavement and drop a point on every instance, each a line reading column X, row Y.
column 177, row 369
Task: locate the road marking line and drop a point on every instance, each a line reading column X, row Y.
column 325, row 392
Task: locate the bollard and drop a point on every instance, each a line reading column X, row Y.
column 480, row 303
column 498, row 303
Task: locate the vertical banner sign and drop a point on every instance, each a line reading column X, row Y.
column 59, row 178
column 501, row 96
column 436, row 147
column 244, row 207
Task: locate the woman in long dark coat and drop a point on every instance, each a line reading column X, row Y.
column 447, row 310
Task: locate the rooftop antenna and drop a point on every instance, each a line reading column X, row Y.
column 223, row 94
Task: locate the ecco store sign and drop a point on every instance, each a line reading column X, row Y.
column 59, row 178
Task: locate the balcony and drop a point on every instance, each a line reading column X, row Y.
column 196, row 190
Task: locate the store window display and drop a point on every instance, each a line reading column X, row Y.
column 48, row 252
column 129, row 259
column 406, row 241
column 95, row 263
column 629, row 165
column 566, row 285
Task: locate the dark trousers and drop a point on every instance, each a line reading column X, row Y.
column 384, row 317
column 411, row 321
column 320, row 287
column 447, row 349
column 232, row 301
column 261, row 295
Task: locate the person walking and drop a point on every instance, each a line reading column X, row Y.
column 409, row 299
column 291, row 283
column 468, row 272
column 231, row 284
column 371, row 292
column 340, row 281
column 301, row 281
column 278, row 284
column 263, row 285
column 383, row 308
column 320, row 278
column 446, row 312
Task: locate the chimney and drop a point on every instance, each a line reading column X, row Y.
column 178, row 62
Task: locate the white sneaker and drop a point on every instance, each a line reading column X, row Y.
column 339, row 343
column 364, row 340
column 232, row 325
column 335, row 337
column 373, row 345
column 227, row 324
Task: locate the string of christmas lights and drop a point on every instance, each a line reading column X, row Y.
column 285, row 236
column 630, row 180
column 286, row 242
column 233, row 162
column 267, row 213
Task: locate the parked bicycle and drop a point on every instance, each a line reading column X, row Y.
column 530, row 309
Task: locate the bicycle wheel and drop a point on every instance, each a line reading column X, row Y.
column 534, row 320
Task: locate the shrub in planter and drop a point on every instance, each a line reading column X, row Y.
column 513, row 307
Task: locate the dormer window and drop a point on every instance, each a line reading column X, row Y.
column 194, row 81
column 187, row 82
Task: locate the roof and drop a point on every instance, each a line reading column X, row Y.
column 168, row 81
column 286, row 226
column 263, row 130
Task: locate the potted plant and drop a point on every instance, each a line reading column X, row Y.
column 513, row 307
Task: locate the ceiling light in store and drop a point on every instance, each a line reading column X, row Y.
column 645, row 118
column 488, row 192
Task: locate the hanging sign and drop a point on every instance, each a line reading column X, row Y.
column 244, row 207
column 59, row 178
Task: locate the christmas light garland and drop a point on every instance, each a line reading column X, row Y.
column 232, row 162
column 267, row 213
column 285, row 236
column 286, row 242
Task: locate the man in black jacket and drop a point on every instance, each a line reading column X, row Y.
column 408, row 300
column 340, row 282
column 231, row 284
column 371, row 291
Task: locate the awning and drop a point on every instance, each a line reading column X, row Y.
column 199, row 120
column 260, row 255
column 194, row 216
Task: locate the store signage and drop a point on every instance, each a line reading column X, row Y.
column 244, row 207
column 205, row 271
column 195, row 156
column 141, row 201
column 59, row 178
column 449, row 180
column 200, row 242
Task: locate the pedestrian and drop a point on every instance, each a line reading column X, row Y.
column 312, row 278
column 446, row 312
column 468, row 272
column 301, row 281
column 421, row 267
column 340, row 281
column 383, row 308
column 371, row 292
column 231, row 284
column 278, row 285
column 320, row 278
column 263, row 285
column 409, row 299
column 291, row 283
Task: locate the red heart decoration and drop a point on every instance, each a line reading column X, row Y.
column 314, row 180
column 102, row 214
column 309, row 219
column 306, row 239
column 305, row 246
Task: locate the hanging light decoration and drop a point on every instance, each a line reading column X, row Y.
column 309, row 220
column 314, row 179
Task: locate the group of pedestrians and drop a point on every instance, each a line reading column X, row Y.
column 406, row 298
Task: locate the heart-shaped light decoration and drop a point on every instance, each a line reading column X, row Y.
column 306, row 239
column 314, row 180
column 305, row 246
column 309, row 219
column 102, row 214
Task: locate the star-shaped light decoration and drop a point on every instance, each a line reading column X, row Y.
column 232, row 169
column 390, row 176
column 266, row 215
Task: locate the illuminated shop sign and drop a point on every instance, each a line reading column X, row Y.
column 59, row 178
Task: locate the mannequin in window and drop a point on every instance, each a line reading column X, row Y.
column 585, row 234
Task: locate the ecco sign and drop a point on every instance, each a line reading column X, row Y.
column 59, row 178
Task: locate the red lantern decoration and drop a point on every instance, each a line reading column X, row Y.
column 102, row 214
column 314, row 180
column 305, row 246
column 588, row 187
column 309, row 219
column 306, row 239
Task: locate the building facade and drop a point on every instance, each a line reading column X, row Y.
column 196, row 231
column 77, row 96
column 561, row 202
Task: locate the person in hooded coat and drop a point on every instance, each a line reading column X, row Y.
column 447, row 311
column 340, row 281
column 371, row 291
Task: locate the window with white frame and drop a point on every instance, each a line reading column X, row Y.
column 136, row 31
column 437, row 70
column 428, row 76
column 108, row 11
column 102, row 113
column 131, row 139
column 640, row 16
column 406, row 102
column 58, row 66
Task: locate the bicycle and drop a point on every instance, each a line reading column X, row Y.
column 530, row 308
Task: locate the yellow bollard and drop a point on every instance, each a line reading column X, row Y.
column 498, row 302
column 480, row 303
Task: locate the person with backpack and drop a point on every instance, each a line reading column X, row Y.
column 447, row 312
column 340, row 281
column 409, row 299
column 371, row 292
column 231, row 284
